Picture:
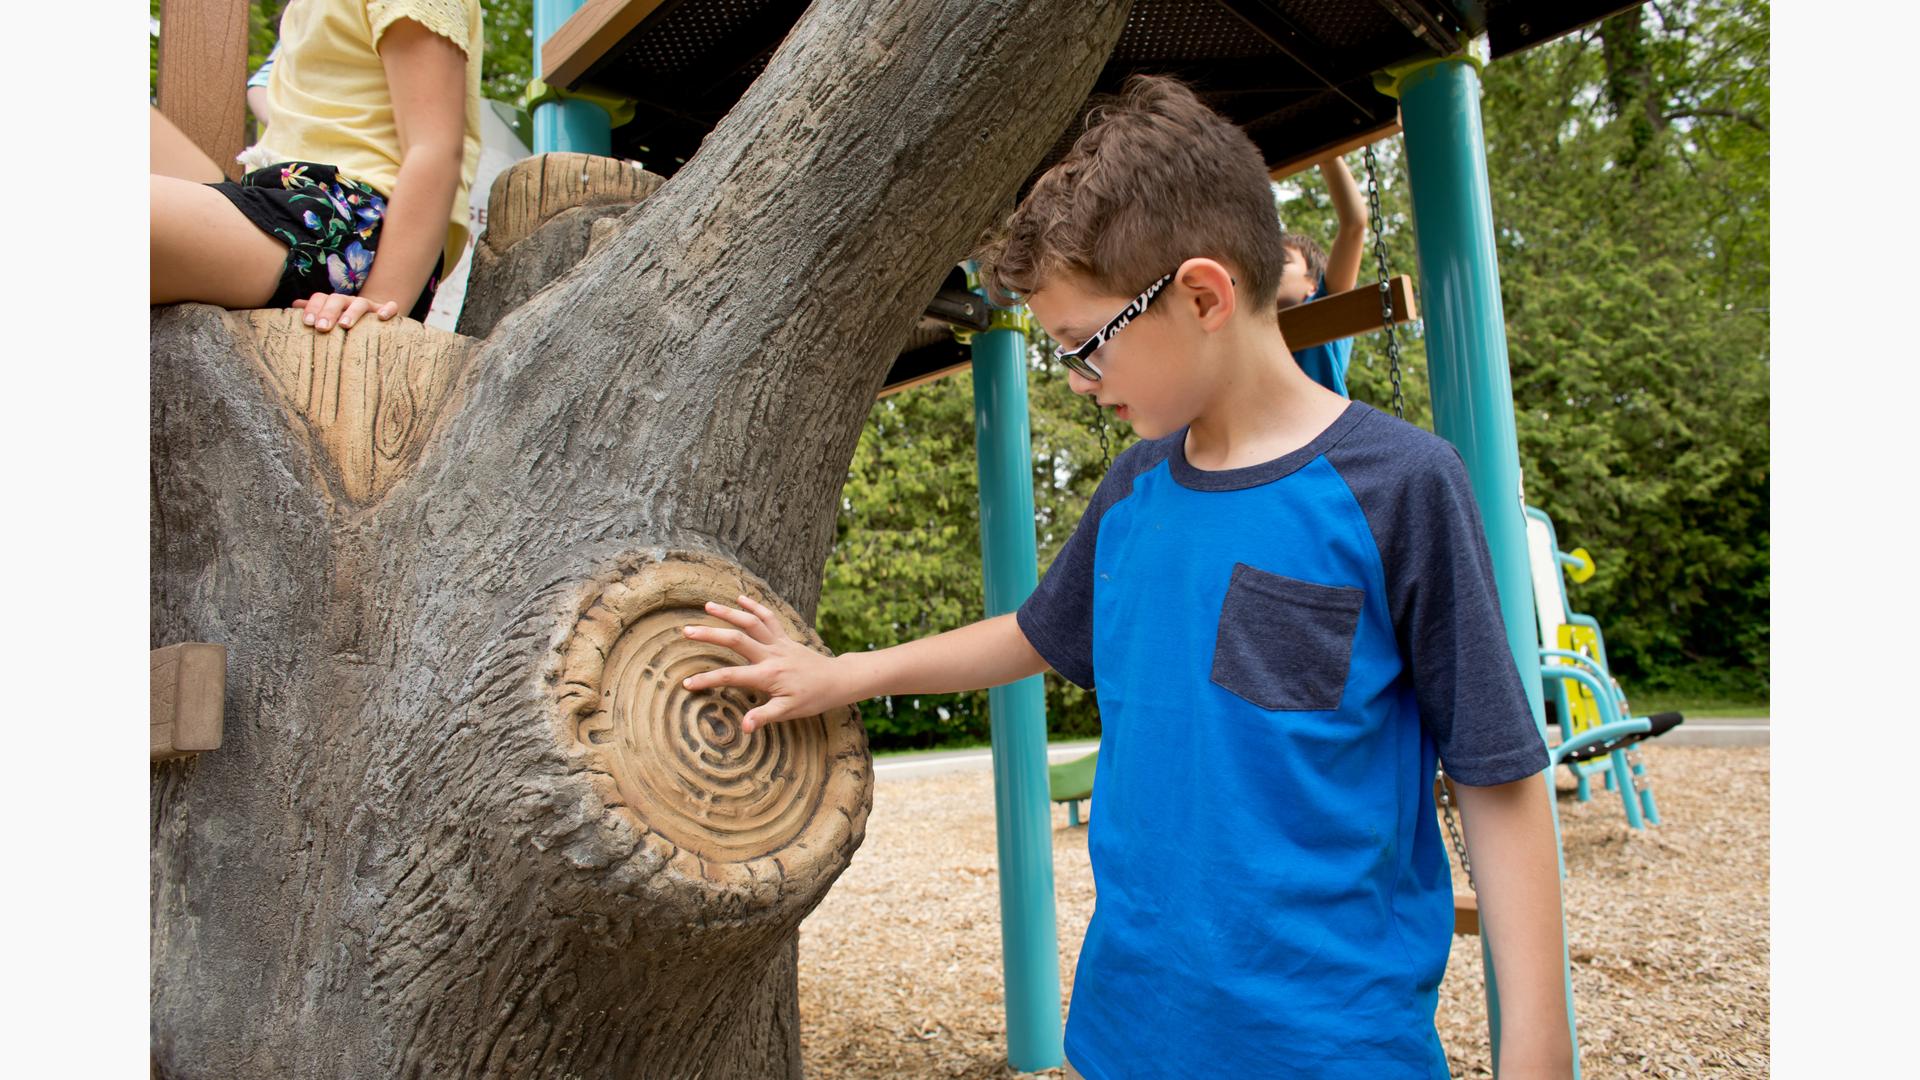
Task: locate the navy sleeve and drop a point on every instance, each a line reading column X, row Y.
column 1414, row 491
column 1057, row 618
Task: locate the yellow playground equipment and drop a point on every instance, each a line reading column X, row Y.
column 1598, row 732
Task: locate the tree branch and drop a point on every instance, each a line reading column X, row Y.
column 1742, row 115
column 743, row 317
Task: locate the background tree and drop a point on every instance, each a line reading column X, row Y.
column 1629, row 167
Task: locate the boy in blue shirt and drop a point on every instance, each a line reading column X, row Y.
column 1311, row 273
column 1285, row 603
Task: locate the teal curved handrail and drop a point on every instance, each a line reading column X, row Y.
column 1599, row 639
column 1599, row 671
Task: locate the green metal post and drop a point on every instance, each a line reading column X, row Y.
column 1029, row 947
column 1471, row 385
column 566, row 124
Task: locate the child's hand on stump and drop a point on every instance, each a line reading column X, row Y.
column 327, row 310
column 796, row 680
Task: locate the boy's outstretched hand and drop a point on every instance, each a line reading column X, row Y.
column 796, row 680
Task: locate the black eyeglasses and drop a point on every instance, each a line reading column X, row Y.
column 1080, row 360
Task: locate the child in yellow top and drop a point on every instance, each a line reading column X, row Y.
column 374, row 119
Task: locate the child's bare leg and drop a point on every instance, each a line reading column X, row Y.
column 205, row 249
column 173, row 154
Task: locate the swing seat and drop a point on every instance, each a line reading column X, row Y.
column 1658, row 724
column 1071, row 782
column 1466, row 914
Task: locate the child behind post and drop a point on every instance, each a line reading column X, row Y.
column 1327, row 362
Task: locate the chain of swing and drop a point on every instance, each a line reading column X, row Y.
column 1443, row 791
column 1386, row 291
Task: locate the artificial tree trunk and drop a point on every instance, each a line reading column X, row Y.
column 464, row 822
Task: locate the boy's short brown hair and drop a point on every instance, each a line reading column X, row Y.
column 1156, row 179
column 1311, row 254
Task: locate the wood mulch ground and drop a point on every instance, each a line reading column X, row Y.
column 900, row 965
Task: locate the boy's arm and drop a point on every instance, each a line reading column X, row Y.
column 1510, row 842
column 801, row 682
column 1350, row 243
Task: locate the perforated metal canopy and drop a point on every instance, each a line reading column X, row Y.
column 1296, row 74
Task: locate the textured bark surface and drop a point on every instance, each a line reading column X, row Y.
column 542, row 215
column 427, row 848
column 531, row 191
column 499, row 283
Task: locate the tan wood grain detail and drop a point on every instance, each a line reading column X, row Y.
column 1466, row 913
column 530, row 192
column 676, row 762
column 1345, row 314
column 1302, row 162
column 369, row 395
column 187, row 698
column 587, row 35
column 203, row 75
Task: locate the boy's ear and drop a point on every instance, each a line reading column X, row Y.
column 1208, row 290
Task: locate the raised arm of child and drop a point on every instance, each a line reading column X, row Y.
column 426, row 76
column 1350, row 243
column 1510, row 843
column 257, row 88
column 801, row 682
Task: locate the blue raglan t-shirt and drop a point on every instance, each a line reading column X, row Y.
column 1279, row 652
column 1326, row 363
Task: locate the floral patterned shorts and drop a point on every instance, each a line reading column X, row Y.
column 330, row 224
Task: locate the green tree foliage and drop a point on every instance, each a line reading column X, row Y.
column 1630, row 186
column 508, row 64
column 906, row 559
column 1629, row 167
column 263, row 29
column 1629, row 170
column 906, row 562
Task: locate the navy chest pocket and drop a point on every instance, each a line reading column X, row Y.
column 1283, row 643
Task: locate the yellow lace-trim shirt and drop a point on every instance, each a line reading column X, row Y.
column 328, row 101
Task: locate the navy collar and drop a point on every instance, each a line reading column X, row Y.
column 1265, row 472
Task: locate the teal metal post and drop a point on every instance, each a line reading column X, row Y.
column 1471, row 385
column 566, row 124
column 1029, row 948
